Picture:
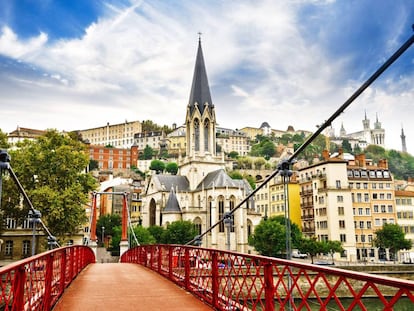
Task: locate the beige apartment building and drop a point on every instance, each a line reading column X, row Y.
column 116, row 135
column 348, row 198
column 404, row 204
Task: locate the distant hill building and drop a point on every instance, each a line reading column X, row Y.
column 22, row 133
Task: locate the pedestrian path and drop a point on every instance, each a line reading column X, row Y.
column 124, row 286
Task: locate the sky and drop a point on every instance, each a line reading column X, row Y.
column 71, row 65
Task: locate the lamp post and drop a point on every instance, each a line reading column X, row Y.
column 103, row 236
column 34, row 218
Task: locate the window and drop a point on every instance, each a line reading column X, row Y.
column 389, row 196
column 340, row 210
column 342, row 237
column 376, row 209
column 8, row 250
column 361, row 224
column 377, row 222
column 366, row 197
column 360, row 211
column 362, row 237
column 340, row 198
column 383, row 209
column 342, row 224
column 368, row 224
column 221, row 214
column 359, row 197
column 374, row 196
column 390, row 209
column 367, row 211
column 26, row 248
column 338, row 184
column 365, row 185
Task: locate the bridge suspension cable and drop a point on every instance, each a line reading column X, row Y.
column 285, row 165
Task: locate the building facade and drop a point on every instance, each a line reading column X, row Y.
column 116, row 135
column 114, row 158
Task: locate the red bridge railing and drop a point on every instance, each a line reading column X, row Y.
column 36, row 283
column 233, row 281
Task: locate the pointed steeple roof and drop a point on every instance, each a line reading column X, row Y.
column 172, row 205
column 200, row 91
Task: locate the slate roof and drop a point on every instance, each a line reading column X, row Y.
column 172, row 205
column 167, row 182
column 200, row 90
column 220, row 179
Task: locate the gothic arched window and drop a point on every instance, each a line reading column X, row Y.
column 196, row 135
column 206, row 131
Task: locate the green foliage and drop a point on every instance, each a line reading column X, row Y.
column 311, row 246
column 157, row 232
column 143, row 236
column 3, row 141
column 149, row 126
column 148, row 153
column 244, row 163
column 265, row 148
column 51, row 172
column 259, row 163
column 179, row 232
column 235, row 175
column 93, row 164
column 269, row 238
column 158, row 166
column 233, row 154
column 346, row 146
column 251, row 181
column 109, row 222
column 172, row 168
column 391, row 236
column 332, row 247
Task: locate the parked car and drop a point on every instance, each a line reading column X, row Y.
column 297, row 254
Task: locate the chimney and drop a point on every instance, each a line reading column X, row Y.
column 360, row 159
column 325, row 155
column 383, row 163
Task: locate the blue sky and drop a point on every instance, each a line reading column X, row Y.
column 80, row 64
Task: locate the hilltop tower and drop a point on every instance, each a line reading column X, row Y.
column 404, row 146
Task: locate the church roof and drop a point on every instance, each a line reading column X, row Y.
column 172, row 205
column 220, row 179
column 166, row 182
column 200, row 90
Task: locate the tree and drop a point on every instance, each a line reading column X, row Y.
column 109, row 222
column 269, row 237
column 332, row 247
column 233, row 154
column 93, row 164
column 143, row 236
column 179, row 232
column 346, row 146
column 51, row 170
column 3, row 141
column 158, row 166
column 259, row 162
column 172, row 168
column 148, row 153
column 235, row 175
column 391, row 236
column 157, row 232
column 310, row 246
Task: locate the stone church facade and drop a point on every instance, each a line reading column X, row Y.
column 202, row 192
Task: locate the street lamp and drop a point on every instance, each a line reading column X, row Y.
column 103, row 236
column 34, row 218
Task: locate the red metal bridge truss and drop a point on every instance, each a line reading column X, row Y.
column 234, row 281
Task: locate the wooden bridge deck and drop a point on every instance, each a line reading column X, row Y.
column 123, row 286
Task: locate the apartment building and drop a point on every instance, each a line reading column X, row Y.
column 326, row 204
column 404, row 205
column 116, row 135
column 348, row 198
column 231, row 140
column 114, row 158
column 22, row 133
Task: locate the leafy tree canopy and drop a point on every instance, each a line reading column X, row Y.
column 149, row 126
column 148, row 153
column 391, row 236
column 3, row 141
column 172, row 168
column 51, row 170
column 109, row 222
column 158, row 166
column 179, row 232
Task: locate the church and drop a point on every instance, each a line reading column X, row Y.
column 202, row 192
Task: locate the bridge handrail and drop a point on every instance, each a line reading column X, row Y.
column 234, row 281
column 37, row 282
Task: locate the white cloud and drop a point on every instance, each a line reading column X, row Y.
column 137, row 63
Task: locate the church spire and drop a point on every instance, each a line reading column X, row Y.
column 200, row 90
column 404, row 146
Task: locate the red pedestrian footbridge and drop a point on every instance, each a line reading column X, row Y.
column 177, row 277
